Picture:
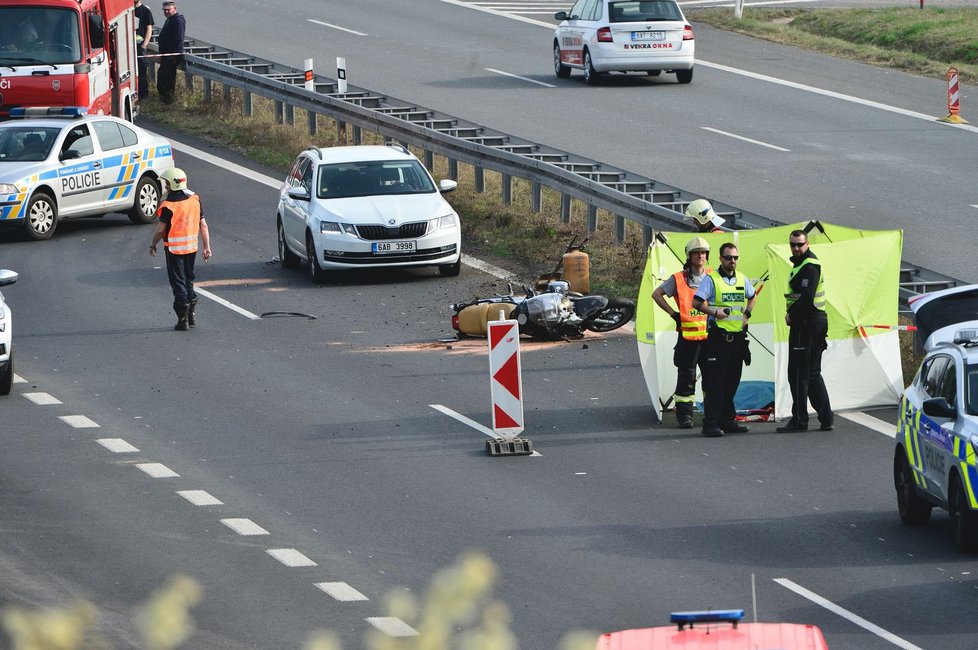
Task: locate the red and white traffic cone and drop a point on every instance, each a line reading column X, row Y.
column 953, row 99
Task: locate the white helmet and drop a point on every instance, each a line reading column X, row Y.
column 697, row 244
column 703, row 213
column 175, row 178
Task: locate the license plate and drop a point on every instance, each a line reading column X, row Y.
column 648, row 36
column 388, row 247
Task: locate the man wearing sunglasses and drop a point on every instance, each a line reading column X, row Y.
column 808, row 328
column 726, row 297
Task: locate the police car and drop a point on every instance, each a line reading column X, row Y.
column 599, row 36
column 60, row 163
column 6, row 336
column 365, row 206
column 937, row 434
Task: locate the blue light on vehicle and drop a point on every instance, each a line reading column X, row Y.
column 48, row 111
column 709, row 616
column 965, row 336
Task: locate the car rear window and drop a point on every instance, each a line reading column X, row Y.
column 633, row 12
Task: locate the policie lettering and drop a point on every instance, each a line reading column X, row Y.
column 81, row 181
column 934, row 458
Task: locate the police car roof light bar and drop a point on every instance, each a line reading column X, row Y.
column 48, row 111
column 318, row 151
column 683, row 619
column 966, row 337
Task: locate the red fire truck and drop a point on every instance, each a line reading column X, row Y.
column 68, row 53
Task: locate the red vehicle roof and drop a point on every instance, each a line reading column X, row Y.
column 746, row 636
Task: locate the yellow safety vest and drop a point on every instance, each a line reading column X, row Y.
column 819, row 300
column 734, row 297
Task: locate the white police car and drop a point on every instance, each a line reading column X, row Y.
column 599, row 36
column 67, row 164
column 937, row 434
column 6, row 336
column 365, row 206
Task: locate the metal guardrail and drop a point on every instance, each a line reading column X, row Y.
column 646, row 201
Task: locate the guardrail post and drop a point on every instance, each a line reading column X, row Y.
column 290, row 114
column 247, row 108
column 619, row 228
column 279, row 112
column 480, row 179
column 188, row 80
column 647, row 234
column 357, row 135
column 592, row 218
column 208, row 90
column 227, row 96
column 429, row 159
column 341, row 131
column 453, row 169
column 313, row 121
column 535, row 198
column 507, row 189
column 565, row 208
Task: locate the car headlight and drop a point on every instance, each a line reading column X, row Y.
column 8, row 188
column 334, row 228
column 448, row 221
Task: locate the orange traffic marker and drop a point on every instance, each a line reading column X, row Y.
column 953, row 99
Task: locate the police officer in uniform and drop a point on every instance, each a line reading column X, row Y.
column 727, row 297
column 690, row 324
column 181, row 224
column 808, row 328
column 170, row 43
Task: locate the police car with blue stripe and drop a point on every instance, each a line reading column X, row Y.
column 60, row 164
column 937, row 434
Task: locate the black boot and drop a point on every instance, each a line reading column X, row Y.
column 192, row 313
column 181, row 310
column 684, row 414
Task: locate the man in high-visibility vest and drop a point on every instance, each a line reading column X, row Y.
column 181, row 224
column 690, row 324
column 808, row 327
column 727, row 297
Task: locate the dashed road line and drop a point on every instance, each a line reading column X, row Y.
column 516, row 76
column 117, row 445
column 157, row 470
column 740, row 137
column 230, row 305
column 471, row 423
column 846, row 614
column 78, row 421
column 332, row 26
column 42, row 399
column 290, row 557
column 20, row 380
column 200, row 498
column 392, row 626
column 870, row 422
column 244, row 527
column 341, row 591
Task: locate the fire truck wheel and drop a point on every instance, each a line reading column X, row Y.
column 146, row 201
column 41, row 217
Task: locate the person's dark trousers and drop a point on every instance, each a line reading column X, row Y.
column 166, row 77
column 805, row 346
column 143, row 69
column 722, row 369
column 180, row 271
column 687, row 356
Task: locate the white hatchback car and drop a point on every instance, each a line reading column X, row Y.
column 365, row 206
column 59, row 167
column 599, row 36
column 6, row 336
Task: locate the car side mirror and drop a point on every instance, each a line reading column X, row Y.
column 298, row 193
column 7, row 277
column 561, row 16
column 446, row 186
column 937, row 407
column 69, row 155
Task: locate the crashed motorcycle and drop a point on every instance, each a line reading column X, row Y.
column 555, row 314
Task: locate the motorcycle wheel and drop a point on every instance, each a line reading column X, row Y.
column 618, row 312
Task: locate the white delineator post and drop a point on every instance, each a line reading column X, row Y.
column 505, row 378
column 309, row 78
column 341, row 74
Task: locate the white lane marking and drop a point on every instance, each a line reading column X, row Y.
column 78, row 421
column 392, row 626
column 244, row 527
column 472, row 423
column 290, row 557
column 486, row 267
column 331, row 26
column 745, row 73
column 230, row 305
column 516, row 76
column 740, row 137
column 870, row 422
column 341, row 591
column 200, row 498
column 846, row 614
column 42, row 399
column 157, row 470
column 974, row 205
column 116, row 445
column 20, row 380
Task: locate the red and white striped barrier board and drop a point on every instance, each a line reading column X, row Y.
column 505, row 378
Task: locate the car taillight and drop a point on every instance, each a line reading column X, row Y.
column 455, row 322
column 687, row 33
column 604, row 35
